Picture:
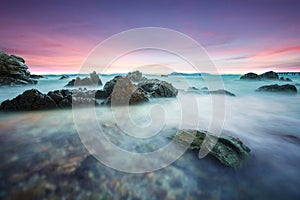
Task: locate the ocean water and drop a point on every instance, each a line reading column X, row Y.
column 43, row 156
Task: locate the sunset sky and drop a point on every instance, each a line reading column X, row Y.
column 239, row 36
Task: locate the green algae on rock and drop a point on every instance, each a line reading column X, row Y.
column 228, row 150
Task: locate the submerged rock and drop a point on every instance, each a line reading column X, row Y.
column 228, row 150
column 92, row 80
column 222, row 92
column 35, row 100
column 64, row 77
column 285, row 79
column 270, row 75
column 14, row 71
column 158, row 88
column 205, row 90
column 35, row 76
column 287, row 88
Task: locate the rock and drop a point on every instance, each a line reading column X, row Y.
column 221, row 91
column 135, row 76
column 287, row 88
column 14, row 71
column 158, row 88
column 64, row 77
column 101, row 94
column 269, row 75
column 35, row 76
column 123, row 92
column 92, row 80
column 228, row 150
column 285, row 79
column 250, row 76
column 35, row 100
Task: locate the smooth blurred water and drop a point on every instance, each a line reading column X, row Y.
column 43, row 147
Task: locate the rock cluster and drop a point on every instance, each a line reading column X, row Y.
column 287, row 88
column 135, row 76
column 158, row 88
column 228, row 150
column 35, row 100
column 64, row 77
column 92, row 80
column 270, row 75
column 14, row 71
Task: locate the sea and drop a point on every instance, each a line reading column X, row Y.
column 46, row 154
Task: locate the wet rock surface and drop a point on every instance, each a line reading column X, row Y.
column 35, row 100
column 206, row 91
column 135, row 76
column 157, row 88
column 228, row 150
column 14, row 71
column 275, row 88
column 92, row 80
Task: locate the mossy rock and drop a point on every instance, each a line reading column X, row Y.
column 228, row 150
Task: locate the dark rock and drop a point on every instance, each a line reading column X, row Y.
column 101, row 94
column 92, row 80
column 123, row 92
column 14, row 71
column 269, row 75
column 221, row 91
column 228, row 150
column 287, row 88
column 64, row 77
column 285, row 79
column 158, row 88
column 35, row 76
column 35, row 100
column 250, row 76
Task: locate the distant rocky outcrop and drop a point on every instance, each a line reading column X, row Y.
column 35, row 100
column 275, row 88
column 270, row 75
column 228, row 150
column 14, row 71
column 92, row 80
column 64, row 77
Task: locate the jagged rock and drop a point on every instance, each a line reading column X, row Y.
column 123, row 92
column 92, row 80
column 287, row 88
column 228, row 150
column 14, row 71
column 135, row 76
column 64, row 77
column 35, row 100
column 158, row 88
column 250, row 76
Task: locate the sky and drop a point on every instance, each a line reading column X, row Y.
column 239, row 36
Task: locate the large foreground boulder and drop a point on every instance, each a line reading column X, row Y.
column 158, row 88
column 14, row 71
column 287, row 88
column 228, row 150
column 92, row 80
column 35, row 100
